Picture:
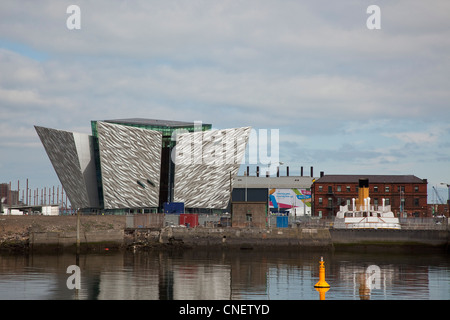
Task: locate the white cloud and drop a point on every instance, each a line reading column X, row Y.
column 415, row 137
column 310, row 67
column 17, row 137
column 428, row 137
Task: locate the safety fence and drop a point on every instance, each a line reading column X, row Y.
column 214, row 220
column 435, row 223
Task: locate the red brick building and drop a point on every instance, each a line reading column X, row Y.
column 406, row 194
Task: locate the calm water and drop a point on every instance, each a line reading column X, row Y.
column 240, row 274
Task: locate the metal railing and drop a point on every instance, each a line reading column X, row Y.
column 304, row 222
column 160, row 220
column 441, row 223
column 149, row 220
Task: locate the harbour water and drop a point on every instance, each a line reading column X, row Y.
column 229, row 274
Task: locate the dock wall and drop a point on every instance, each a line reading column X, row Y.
column 33, row 232
column 306, row 237
column 24, row 232
column 69, row 238
column 342, row 237
column 249, row 237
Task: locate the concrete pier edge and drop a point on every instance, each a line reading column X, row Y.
column 24, row 233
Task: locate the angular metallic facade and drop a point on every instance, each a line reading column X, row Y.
column 130, row 161
column 130, row 165
column 206, row 164
column 71, row 155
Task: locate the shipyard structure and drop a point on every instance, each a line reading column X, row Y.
column 138, row 165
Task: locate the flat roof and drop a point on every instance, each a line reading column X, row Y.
column 273, row 182
column 154, row 122
column 354, row 178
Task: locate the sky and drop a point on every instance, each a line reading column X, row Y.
column 346, row 99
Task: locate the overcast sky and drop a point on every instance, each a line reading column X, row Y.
column 346, row 99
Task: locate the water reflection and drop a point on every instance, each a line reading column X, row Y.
column 227, row 275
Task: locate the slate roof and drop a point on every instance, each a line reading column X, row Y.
column 354, row 178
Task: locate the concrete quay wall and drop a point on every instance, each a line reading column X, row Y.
column 248, row 237
column 69, row 238
column 24, row 232
column 306, row 237
column 346, row 237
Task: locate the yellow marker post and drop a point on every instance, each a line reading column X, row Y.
column 322, row 286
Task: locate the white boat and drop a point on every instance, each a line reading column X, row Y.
column 366, row 217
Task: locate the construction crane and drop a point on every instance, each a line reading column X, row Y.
column 438, row 196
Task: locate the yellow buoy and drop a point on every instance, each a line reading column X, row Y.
column 322, row 292
column 322, row 283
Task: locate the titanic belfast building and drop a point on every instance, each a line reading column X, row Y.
column 129, row 164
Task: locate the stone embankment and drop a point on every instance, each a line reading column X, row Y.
column 24, row 232
column 249, row 237
column 21, row 233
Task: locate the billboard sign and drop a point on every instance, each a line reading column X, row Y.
column 296, row 200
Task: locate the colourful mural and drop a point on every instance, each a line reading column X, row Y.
column 289, row 198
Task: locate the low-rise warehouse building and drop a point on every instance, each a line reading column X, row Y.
column 254, row 197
